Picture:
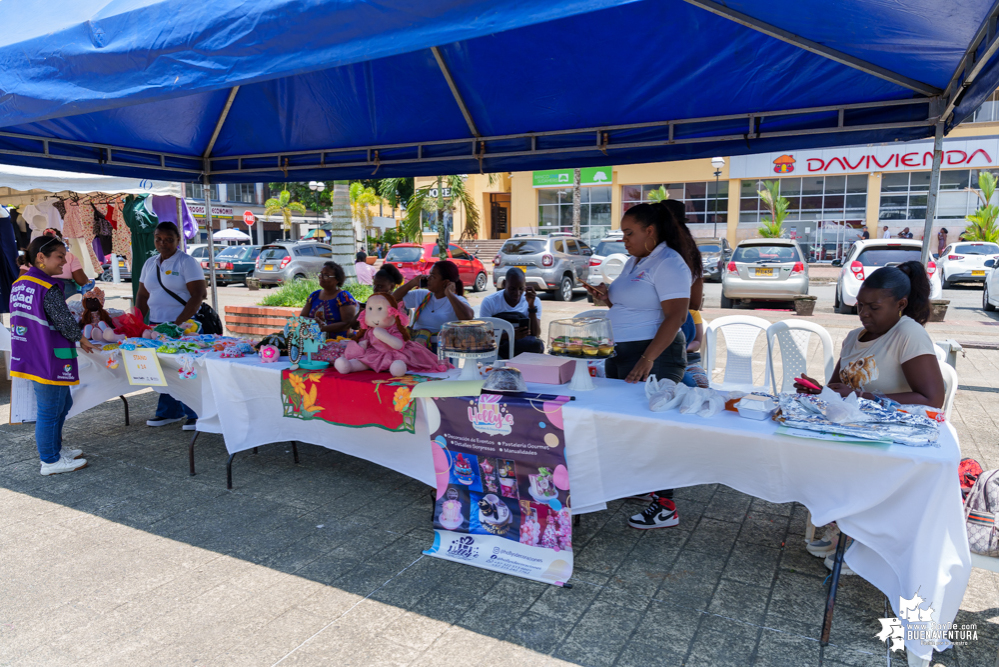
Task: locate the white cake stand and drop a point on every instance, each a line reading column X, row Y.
column 470, row 369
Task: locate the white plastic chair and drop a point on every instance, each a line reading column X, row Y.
column 499, row 328
column 741, row 332
column 950, row 387
column 596, row 312
column 793, row 337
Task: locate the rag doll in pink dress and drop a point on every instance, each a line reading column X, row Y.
column 384, row 344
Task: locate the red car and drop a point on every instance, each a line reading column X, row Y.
column 414, row 259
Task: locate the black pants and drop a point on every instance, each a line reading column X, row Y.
column 671, row 364
column 526, row 344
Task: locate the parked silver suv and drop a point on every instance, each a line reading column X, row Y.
column 291, row 260
column 553, row 263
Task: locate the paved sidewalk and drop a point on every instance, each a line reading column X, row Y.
column 132, row 561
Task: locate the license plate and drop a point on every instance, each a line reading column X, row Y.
column 522, row 268
column 977, row 273
column 121, row 265
column 268, row 268
column 218, row 266
column 764, row 273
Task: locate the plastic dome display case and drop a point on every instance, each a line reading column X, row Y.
column 471, row 340
column 582, row 339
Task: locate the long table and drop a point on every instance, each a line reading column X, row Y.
column 902, row 505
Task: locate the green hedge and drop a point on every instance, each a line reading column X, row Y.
column 295, row 293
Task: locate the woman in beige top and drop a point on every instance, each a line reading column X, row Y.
column 892, row 355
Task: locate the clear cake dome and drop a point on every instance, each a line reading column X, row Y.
column 469, row 336
column 585, row 338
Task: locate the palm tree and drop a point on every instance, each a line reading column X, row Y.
column 983, row 227
column 361, row 200
column 412, row 224
column 777, row 205
column 660, row 194
column 577, row 192
column 343, row 229
column 283, row 205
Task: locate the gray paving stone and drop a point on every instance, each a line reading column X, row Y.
column 599, row 635
column 740, row 601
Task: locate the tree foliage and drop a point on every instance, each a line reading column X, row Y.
column 983, row 225
column 284, row 206
column 411, row 228
column 772, row 227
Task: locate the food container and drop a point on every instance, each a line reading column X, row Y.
column 543, row 368
column 505, row 380
column 585, row 338
column 756, row 407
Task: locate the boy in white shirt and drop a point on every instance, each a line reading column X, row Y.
column 517, row 298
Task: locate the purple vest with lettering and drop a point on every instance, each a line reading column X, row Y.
column 38, row 351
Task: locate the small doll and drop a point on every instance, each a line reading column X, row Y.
column 384, row 344
column 93, row 309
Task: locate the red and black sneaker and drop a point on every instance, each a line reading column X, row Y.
column 661, row 513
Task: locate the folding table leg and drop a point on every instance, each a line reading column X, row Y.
column 228, row 472
column 576, row 520
column 190, row 451
column 125, row 401
column 887, row 643
column 831, row 598
column 254, row 450
column 294, row 450
column 433, row 504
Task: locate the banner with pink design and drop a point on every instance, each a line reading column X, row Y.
column 502, row 484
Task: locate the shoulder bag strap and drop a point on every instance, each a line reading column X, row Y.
column 166, row 289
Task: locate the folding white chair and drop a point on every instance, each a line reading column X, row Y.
column 740, row 332
column 950, row 386
column 792, row 337
column 499, row 327
column 596, row 312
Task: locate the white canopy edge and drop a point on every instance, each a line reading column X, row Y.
column 19, row 185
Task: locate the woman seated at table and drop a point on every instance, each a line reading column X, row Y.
column 648, row 305
column 387, row 279
column 440, row 302
column 891, row 356
column 334, row 308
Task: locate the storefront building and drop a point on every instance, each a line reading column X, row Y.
column 833, row 193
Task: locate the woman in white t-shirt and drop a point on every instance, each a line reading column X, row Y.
column 648, row 306
column 892, row 355
column 171, row 271
column 441, row 302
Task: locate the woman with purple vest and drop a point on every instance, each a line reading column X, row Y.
column 43, row 349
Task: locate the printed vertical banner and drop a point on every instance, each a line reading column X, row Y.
column 502, row 485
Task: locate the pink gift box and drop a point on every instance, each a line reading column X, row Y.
column 543, row 368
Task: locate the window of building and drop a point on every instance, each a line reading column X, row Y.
column 555, row 211
column 810, row 199
column 241, row 192
column 903, row 195
column 197, row 191
column 698, row 198
column 988, row 112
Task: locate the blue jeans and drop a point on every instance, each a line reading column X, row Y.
column 54, row 402
column 170, row 408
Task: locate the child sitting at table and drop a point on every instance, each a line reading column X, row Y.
column 333, row 307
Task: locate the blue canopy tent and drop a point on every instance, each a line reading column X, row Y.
column 272, row 90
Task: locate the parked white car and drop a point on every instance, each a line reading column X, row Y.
column 964, row 261
column 867, row 256
column 608, row 258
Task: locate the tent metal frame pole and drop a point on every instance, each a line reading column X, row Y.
column 454, row 91
column 209, row 224
column 816, row 48
column 971, row 64
column 469, row 148
column 210, row 227
column 931, row 197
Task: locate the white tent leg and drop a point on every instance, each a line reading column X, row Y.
column 931, row 197
column 211, row 243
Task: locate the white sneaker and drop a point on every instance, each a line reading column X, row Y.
column 825, row 545
column 163, row 421
column 63, row 465
column 71, row 453
column 845, row 570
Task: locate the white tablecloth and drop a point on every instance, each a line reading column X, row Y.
column 902, row 505
column 98, row 384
